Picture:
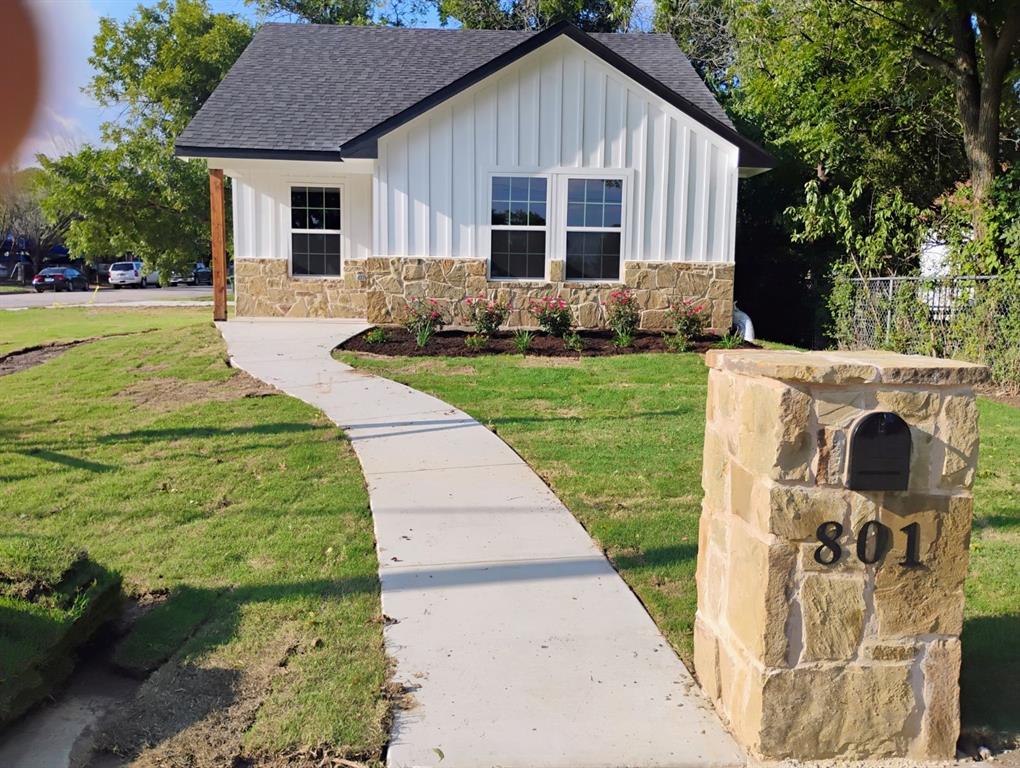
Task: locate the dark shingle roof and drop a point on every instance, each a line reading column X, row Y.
column 307, row 88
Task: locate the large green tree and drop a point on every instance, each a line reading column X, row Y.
column 589, row 15
column 849, row 87
column 131, row 194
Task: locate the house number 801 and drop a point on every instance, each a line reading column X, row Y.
column 873, row 543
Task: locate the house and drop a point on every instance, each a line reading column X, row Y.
column 371, row 165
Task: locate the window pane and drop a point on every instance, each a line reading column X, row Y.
column 501, row 242
column 500, row 188
column 331, row 266
column 537, row 190
column 575, row 214
column 614, row 191
column 613, row 216
column 332, row 219
column 500, row 265
column 575, row 191
column 518, row 213
column 593, row 255
column 536, row 217
column 298, row 218
column 519, row 188
column 595, row 191
column 315, row 220
column 332, row 198
column 519, row 255
column 592, row 215
column 315, row 197
column 331, row 245
column 500, row 212
column 298, row 197
column 315, row 244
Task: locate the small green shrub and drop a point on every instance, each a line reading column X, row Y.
column 676, row 342
column 622, row 340
column 552, row 314
column 732, row 340
column 425, row 319
column 573, row 342
column 523, row 339
column 476, row 341
column 376, row 336
column 486, row 314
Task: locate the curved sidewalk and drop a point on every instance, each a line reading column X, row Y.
column 522, row 646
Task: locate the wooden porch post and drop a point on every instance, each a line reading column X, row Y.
column 219, row 244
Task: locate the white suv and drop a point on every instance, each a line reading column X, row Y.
column 130, row 273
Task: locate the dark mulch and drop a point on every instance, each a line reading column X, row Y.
column 400, row 343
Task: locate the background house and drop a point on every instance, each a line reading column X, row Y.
column 374, row 165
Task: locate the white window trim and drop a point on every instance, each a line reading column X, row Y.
column 556, row 216
column 490, row 227
column 321, row 184
column 589, row 174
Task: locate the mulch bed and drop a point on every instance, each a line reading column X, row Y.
column 450, row 343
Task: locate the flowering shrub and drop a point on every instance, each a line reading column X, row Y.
column 485, row 314
column 553, row 315
column 689, row 318
column 623, row 316
column 425, row 318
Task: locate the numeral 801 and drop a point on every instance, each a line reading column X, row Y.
column 872, row 533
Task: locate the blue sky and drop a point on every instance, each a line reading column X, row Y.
column 67, row 118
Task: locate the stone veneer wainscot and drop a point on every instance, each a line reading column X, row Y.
column 379, row 288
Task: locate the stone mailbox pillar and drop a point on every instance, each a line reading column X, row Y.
column 829, row 610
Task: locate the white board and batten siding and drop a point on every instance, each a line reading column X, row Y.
column 560, row 110
column 261, row 205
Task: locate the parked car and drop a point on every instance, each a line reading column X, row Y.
column 132, row 273
column 200, row 275
column 60, row 279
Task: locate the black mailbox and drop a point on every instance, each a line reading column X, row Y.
column 879, row 454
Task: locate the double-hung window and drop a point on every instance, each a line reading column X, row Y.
column 315, row 231
column 518, row 211
column 594, row 227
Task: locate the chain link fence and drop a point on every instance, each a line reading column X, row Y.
column 967, row 317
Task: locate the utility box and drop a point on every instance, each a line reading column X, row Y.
column 833, row 549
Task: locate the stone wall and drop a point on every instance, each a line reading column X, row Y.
column 379, row 288
column 813, row 661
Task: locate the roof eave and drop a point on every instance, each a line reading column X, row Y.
column 187, row 151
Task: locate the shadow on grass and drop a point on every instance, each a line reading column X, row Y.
column 63, row 459
column 200, row 433
column 577, row 419
column 656, row 557
column 990, row 677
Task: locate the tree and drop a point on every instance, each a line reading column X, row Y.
column 133, row 195
column 589, row 15
column 22, row 218
column 851, row 85
column 319, row 11
column 974, row 44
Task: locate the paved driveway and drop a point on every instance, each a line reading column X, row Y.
column 520, row 644
column 106, row 296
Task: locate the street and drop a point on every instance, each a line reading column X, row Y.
column 106, row 295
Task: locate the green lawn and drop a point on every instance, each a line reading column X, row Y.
column 620, row 440
column 30, row 327
column 250, row 512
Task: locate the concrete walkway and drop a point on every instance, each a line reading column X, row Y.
column 521, row 644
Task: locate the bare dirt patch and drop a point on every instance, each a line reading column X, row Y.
column 400, row 343
column 166, row 394
column 23, row 359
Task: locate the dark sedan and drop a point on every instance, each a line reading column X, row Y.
column 60, row 279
